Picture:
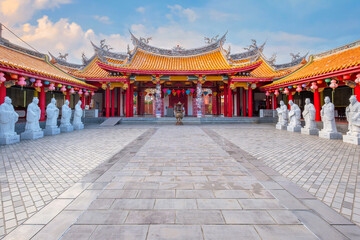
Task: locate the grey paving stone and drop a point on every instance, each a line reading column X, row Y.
column 350, row 231
column 218, row 204
column 75, row 190
column 318, row 226
column 284, row 216
column 102, row 217
column 101, row 204
column 175, row 204
column 46, row 214
column 229, row 232
column 233, row 194
column 287, row 200
column 83, row 201
column 156, row 194
column 178, row 232
column 116, row 193
column 326, row 212
column 199, row 217
column 23, row 232
column 284, row 232
column 194, row 194
column 128, row 232
column 79, row 232
column 247, row 217
column 260, row 204
column 133, row 204
column 151, row 217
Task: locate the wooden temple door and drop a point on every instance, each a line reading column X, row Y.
column 182, row 98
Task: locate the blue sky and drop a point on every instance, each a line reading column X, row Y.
column 287, row 26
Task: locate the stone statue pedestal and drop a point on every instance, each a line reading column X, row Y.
column 31, row 135
column 351, row 139
column 10, row 139
column 309, row 131
column 293, row 129
column 66, row 128
column 78, row 126
column 281, row 127
column 49, row 131
column 330, row 135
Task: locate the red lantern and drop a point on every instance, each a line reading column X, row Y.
column 319, row 82
column 178, row 92
column 346, row 77
column 14, row 76
column 21, row 81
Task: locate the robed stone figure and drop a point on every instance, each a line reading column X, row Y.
column 32, row 127
column 309, row 114
column 294, row 118
column 8, row 118
column 78, row 125
column 282, row 112
column 65, row 125
column 353, row 117
column 52, row 114
column 328, row 118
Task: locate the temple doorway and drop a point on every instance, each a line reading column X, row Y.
column 173, row 100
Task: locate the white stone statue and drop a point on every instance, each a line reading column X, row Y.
column 353, row 117
column 294, row 118
column 32, row 127
column 328, row 118
column 8, row 118
column 78, row 125
column 282, row 112
column 52, row 114
column 309, row 113
column 65, row 125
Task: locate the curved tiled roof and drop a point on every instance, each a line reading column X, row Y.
column 333, row 61
column 18, row 60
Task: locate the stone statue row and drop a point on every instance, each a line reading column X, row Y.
column 290, row 120
column 8, row 118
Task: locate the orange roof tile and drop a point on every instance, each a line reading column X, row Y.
column 323, row 64
column 19, row 60
column 213, row 60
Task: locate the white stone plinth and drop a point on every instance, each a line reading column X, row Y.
column 32, row 135
column 293, row 129
column 309, row 131
column 78, row 126
column 330, row 135
column 281, row 127
column 49, row 131
column 10, row 139
column 66, row 128
column 351, row 139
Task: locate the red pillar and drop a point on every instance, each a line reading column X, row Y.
column 113, row 102
column 291, row 97
column 131, row 98
column 357, row 92
column 107, row 102
column 2, row 93
column 128, row 101
column 274, row 102
column 118, row 101
column 42, row 103
column 67, row 96
column 214, row 104
column 267, row 102
column 244, row 102
column 238, row 102
column 124, row 103
column 250, row 102
column 225, row 100
column 317, row 105
column 230, row 102
column 83, row 101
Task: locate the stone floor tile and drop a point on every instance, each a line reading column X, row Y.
column 178, row 232
column 151, row 217
column 102, row 217
column 116, row 193
column 233, row 194
column 101, row 204
column 156, row 194
column 260, row 204
column 23, row 232
column 128, row 232
column 284, row 216
column 350, row 231
column 229, row 232
column 194, row 194
column 218, row 204
column 247, row 217
column 284, row 232
column 83, row 201
column 199, row 217
column 175, row 204
column 79, row 232
column 75, row 190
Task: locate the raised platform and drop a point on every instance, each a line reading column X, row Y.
column 195, row 120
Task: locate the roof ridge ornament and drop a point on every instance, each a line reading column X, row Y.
column 272, row 59
column 145, row 40
column 211, row 40
column 104, row 46
column 63, row 56
column 294, row 56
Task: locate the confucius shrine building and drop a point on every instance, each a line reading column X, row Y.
column 208, row 81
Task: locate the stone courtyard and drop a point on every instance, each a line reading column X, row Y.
column 234, row 181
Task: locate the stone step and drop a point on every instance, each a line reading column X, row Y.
column 110, row 122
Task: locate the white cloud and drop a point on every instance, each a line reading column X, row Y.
column 140, row 9
column 13, row 12
column 65, row 37
column 103, row 19
column 181, row 12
